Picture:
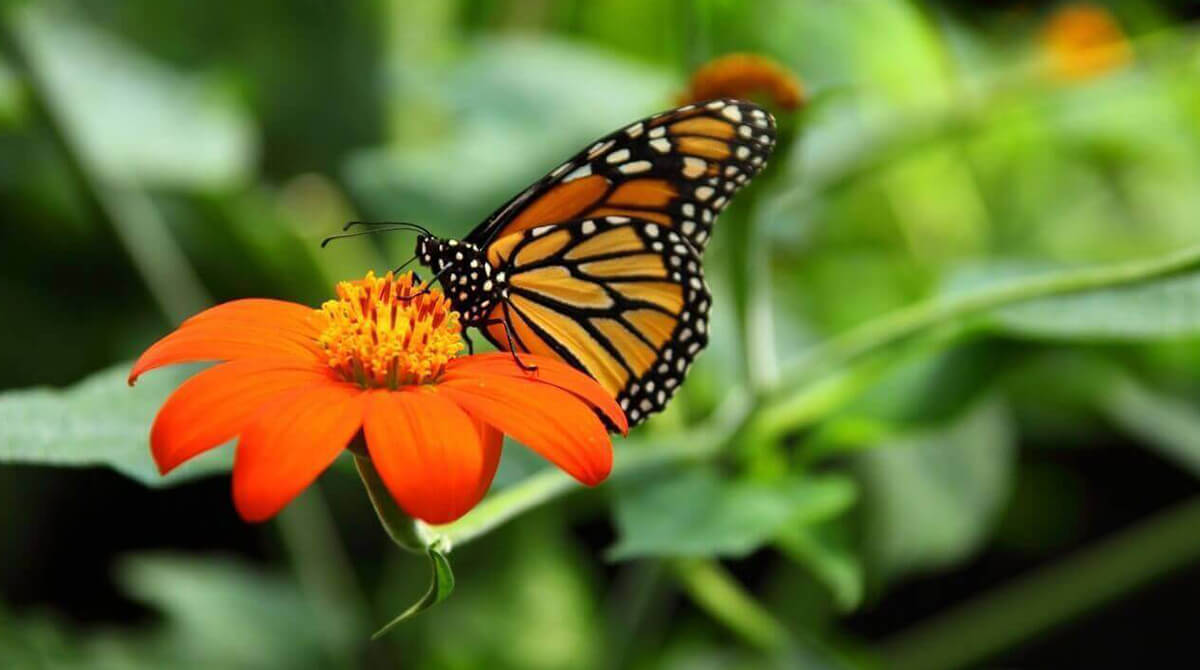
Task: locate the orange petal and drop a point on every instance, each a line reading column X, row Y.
column 291, row 316
column 431, row 455
column 550, row 371
column 212, row 407
column 553, row 422
column 252, row 328
column 492, row 440
column 288, row 442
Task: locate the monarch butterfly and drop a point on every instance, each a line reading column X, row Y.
column 598, row 263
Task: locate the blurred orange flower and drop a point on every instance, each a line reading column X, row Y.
column 1083, row 41
column 298, row 385
column 745, row 76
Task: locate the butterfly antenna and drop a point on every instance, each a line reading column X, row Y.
column 342, row 236
column 398, row 225
column 404, row 265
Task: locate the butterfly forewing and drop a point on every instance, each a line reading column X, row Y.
column 678, row 169
column 621, row 298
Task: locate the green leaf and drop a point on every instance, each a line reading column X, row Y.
column 1166, row 424
column 212, row 612
column 230, row 613
column 441, row 586
column 930, row 497
column 1162, row 308
column 695, row 512
column 513, row 108
column 830, row 558
column 99, row 421
column 136, row 119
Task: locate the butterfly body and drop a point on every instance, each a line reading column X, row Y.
column 599, row 262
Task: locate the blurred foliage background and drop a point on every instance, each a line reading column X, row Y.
column 1012, row 486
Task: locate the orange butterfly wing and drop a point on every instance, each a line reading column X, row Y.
column 622, row 299
column 678, row 169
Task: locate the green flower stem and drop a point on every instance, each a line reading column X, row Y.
column 795, row 396
column 408, row 533
column 714, row 590
column 718, row 593
column 966, row 635
column 903, row 323
column 631, row 458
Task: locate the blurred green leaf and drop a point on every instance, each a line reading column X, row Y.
column 1152, row 310
column 532, row 576
column 12, row 96
column 99, row 421
column 515, row 108
column 1165, row 423
column 136, row 119
column 441, row 585
column 930, row 497
column 696, row 512
column 214, row 612
column 830, row 558
column 223, row 613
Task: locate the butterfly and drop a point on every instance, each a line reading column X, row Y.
column 599, row 262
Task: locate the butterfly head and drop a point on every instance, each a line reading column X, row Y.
column 469, row 281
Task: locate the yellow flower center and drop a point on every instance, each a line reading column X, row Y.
column 380, row 334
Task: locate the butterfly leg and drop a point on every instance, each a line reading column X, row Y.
column 469, row 341
column 512, row 349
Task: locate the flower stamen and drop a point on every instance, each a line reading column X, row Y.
column 380, row 334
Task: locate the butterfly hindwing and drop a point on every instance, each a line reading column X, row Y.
column 618, row 297
column 678, row 169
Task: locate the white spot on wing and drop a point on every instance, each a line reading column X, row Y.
column 694, row 167
column 581, row 171
column 599, row 148
column 618, row 156
column 561, row 169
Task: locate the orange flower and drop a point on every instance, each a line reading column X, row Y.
column 744, row 75
column 298, row 385
column 1083, row 41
